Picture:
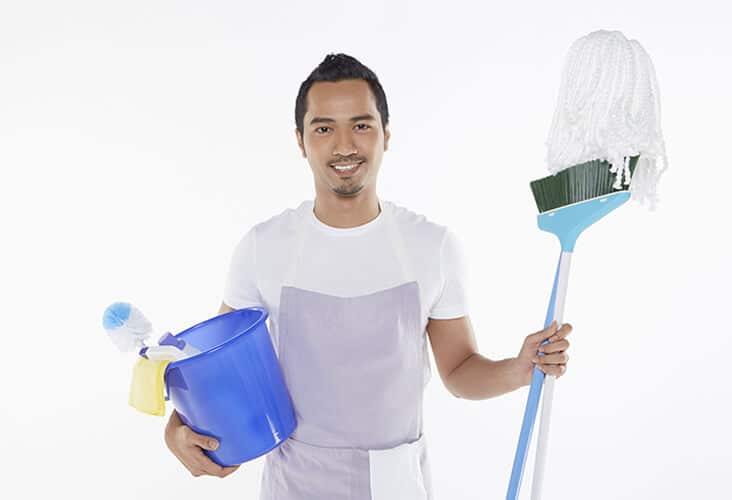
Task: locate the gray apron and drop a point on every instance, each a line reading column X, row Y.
column 354, row 369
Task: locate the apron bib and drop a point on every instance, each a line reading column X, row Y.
column 354, row 369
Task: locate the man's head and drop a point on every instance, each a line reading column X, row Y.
column 342, row 118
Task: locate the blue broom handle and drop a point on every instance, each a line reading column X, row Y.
column 532, row 405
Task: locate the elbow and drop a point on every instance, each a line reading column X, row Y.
column 451, row 379
column 452, row 387
column 453, row 391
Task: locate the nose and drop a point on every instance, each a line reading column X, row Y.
column 344, row 145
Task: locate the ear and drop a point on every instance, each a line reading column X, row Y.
column 387, row 135
column 298, row 136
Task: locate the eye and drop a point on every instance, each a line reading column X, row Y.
column 318, row 130
column 363, row 125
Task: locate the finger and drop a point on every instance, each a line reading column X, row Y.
column 229, row 470
column 558, row 346
column 208, row 466
column 205, row 442
column 543, row 334
column 556, row 370
column 559, row 358
column 561, row 333
column 195, row 472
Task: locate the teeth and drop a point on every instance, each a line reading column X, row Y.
column 345, row 167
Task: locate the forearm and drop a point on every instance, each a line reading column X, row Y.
column 481, row 378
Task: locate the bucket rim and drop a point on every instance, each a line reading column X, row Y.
column 264, row 314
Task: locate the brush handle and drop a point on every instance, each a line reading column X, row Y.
column 554, row 311
column 162, row 353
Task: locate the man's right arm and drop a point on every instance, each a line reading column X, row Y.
column 188, row 446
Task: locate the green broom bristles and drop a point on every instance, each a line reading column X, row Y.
column 577, row 183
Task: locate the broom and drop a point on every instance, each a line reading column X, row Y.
column 607, row 121
column 569, row 202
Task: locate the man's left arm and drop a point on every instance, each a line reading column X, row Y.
column 469, row 375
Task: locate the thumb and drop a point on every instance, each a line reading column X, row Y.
column 205, row 442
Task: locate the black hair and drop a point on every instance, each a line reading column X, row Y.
column 334, row 68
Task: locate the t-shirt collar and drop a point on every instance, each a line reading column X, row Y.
column 344, row 230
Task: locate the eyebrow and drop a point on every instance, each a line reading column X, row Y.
column 319, row 119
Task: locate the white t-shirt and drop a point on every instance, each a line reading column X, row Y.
column 347, row 262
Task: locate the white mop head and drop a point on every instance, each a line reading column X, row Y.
column 608, row 109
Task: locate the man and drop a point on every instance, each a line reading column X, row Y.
column 354, row 286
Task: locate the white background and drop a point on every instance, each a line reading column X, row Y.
column 139, row 140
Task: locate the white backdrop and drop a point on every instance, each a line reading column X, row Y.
column 140, row 139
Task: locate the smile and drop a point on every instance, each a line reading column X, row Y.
column 346, row 168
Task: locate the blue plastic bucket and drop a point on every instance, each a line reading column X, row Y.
column 233, row 390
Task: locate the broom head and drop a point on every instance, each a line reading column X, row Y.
column 577, row 183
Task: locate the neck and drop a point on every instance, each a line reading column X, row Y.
column 345, row 212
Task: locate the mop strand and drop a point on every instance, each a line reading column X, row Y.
column 609, row 109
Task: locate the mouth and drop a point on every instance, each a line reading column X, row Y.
column 346, row 169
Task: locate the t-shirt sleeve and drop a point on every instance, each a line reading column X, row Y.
column 240, row 289
column 452, row 301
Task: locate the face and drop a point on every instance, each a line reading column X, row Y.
column 342, row 127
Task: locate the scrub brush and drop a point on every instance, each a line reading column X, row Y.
column 128, row 329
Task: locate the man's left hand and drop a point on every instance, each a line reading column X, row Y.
column 551, row 358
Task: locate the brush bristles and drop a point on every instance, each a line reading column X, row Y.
column 577, row 183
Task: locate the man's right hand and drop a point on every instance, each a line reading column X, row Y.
column 188, row 447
